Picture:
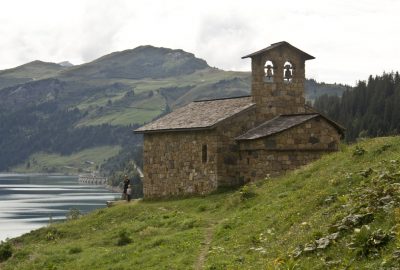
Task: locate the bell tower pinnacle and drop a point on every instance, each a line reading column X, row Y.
column 278, row 75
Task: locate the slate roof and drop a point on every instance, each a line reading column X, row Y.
column 276, row 45
column 203, row 114
column 282, row 123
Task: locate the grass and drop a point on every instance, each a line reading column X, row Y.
column 140, row 110
column 136, row 113
column 45, row 162
column 123, row 117
column 99, row 101
column 258, row 226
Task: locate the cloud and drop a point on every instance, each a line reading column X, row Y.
column 222, row 40
column 349, row 39
column 100, row 24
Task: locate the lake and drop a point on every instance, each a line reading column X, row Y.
column 29, row 202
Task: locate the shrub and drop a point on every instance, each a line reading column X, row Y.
column 53, row 234
column 359, row 151
column 188, row 223
column 123, row 238
column 366, row 241
column 75, row 250
column 5, row 251
column 383, row 148
column 157, row 242
column 201, row 208
column 247, row 192
column 73, row 214
column 149, row 231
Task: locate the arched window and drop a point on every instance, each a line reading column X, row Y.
column 268, row 71
column 287, row 71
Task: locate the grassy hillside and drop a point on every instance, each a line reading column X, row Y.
column 35, row 70
column 337, row 213
column 141, row 62
column 83, row 161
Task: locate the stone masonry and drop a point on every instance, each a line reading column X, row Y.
column 217, row 143
column 278, row 153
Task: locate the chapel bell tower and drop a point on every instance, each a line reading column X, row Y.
column 278, row 75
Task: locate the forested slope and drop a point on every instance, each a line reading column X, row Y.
column 370, row 109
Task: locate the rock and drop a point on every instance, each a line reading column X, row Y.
column 366, row 173
column 385, row 200
column 330, row 199
column 343, row 228
column 310, row 247
column 322, row 243
column 333, row 236
column 297, row 252
column 396, row 254
column 357, row 220
column 380, row 238
column 330, row 262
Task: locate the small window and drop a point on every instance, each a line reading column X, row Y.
column 204, row 153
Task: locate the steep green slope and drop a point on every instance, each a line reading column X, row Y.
column 337, row 213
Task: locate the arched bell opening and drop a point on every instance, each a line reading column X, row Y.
column 268, row 72
column 288, row 70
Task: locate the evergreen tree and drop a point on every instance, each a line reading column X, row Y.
column 372, row 108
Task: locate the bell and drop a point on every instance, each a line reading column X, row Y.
column 269, row 71
column 288, row 72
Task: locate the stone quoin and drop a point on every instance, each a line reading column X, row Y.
column 209, row 144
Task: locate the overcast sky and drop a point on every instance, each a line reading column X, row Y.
column 350, row 39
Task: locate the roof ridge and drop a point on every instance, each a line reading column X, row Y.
column 276, row 45
column 202, row 100
column 295, row 114
column 280, row 129
column 198, row 115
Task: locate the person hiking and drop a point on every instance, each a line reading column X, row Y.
column 129, row 193
column 126, row 184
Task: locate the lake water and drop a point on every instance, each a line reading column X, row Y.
column 29, row 202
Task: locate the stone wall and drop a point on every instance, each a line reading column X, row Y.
column 173, row 160
column 276, row 154
column 228, row 148
column 173, row 163
column 259, row 164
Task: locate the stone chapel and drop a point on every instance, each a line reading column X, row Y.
column 209, row 144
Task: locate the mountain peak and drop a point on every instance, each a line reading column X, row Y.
column 66, row 64
column 141, row 62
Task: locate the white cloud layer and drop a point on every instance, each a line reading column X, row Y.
column 350, row 39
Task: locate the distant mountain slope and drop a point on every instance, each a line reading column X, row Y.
column 115, row 92
column 141, row 62
column 315, row 89
column 65, row 64
column 28, row 72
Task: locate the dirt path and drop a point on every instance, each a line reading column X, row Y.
column 205, row 248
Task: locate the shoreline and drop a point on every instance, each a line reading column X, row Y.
column 16, row 223
column 36, row 174
column 115, row 189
